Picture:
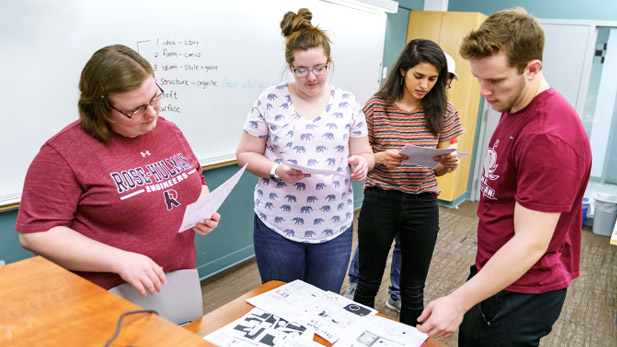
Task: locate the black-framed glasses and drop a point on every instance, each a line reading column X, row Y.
column 317, row 70
column 141, row 109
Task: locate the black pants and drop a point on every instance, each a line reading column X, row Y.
column 415, row 217
column 511, row 319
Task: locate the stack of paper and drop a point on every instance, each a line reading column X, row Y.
column 330, row 314
column 290, row 314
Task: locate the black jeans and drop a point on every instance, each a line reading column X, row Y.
column 511, row 319
column 415, row 217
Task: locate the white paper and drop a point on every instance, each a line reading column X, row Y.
column 380, row 331
column 296, row 341
column 225, row 339
column 314, row 170
column 333, row 315
column 423, row 156
column 204, row 208
column 286, row 300
column 260, row 328
column 330, row 314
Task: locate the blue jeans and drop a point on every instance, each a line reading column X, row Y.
column 320, row 264
column 415, row 217
column 511, row 319
column 395, row 268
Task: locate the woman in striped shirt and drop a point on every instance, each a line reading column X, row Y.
column 411, row 108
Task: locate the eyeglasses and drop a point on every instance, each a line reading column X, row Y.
column 317, row 70
column 141, row 109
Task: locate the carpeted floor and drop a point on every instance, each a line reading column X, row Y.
column 589, row 313
column 588, row 316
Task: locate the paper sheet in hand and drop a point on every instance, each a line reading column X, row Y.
column 423, row 156
column 204, row 208
column 313, row 170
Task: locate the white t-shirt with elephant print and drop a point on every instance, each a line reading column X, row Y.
column 317, row 208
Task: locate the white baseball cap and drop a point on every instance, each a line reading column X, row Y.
column 451, row 65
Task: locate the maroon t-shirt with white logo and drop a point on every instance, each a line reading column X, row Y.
column 130, row 193
column 539, row 157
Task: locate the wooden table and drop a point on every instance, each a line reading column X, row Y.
column 239, row 307
column 43, row 304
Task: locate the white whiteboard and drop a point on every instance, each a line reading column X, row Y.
column 212, row 58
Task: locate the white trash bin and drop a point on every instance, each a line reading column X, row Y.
column 605, row 214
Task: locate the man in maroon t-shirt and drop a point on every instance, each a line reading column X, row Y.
column 535, row 174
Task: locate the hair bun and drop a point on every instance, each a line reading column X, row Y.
column 293, row 22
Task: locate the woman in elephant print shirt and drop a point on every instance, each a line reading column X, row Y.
column 303, row 222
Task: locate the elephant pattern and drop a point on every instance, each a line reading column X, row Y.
column 315, row 209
